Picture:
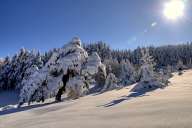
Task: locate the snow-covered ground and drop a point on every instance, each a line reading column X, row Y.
column 167, row 108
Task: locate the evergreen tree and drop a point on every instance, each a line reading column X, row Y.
column 66, row 71
column 110, row 83
column 128, row 74
column 149, row 78
column 13, row 70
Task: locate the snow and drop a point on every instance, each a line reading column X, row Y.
column 162, row 108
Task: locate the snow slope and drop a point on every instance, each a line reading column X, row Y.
column 167, row 108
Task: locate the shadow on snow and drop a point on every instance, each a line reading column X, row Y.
column 25, row 108
column 135, row 94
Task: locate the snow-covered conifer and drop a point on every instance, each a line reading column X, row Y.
column 113, row 66
column 13, row 70
column 149, row 79
column 5, row 74
column 128, row 73
column 94, row 70
column 110, row 83
column 72, row 56
column 66, row 70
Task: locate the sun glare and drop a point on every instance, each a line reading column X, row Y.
column 174, row 9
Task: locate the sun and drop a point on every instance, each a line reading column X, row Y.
column 174, row 9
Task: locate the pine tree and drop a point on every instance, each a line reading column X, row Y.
column 13, row 70
column 6, row 70
column 147, row 67
column 113, row 66
column 94, row 72
column 149, row 78
column 110, row 83
column 128, row 73
column 66, row 71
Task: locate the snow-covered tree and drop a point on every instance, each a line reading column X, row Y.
column 5, row 73
column 110, row 83
column 149, row 79
column 94, row 72
column 25, row 61
column 101, row 48
column 13, row 70
column 128, row 73
column 71, row 57
column 146, row 71
column 67, row 69
column 113, row 66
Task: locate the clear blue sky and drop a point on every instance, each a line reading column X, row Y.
column 45, row 24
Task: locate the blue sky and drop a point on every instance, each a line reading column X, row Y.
column 46, row 24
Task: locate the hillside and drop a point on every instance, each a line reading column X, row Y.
column 167, row 108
